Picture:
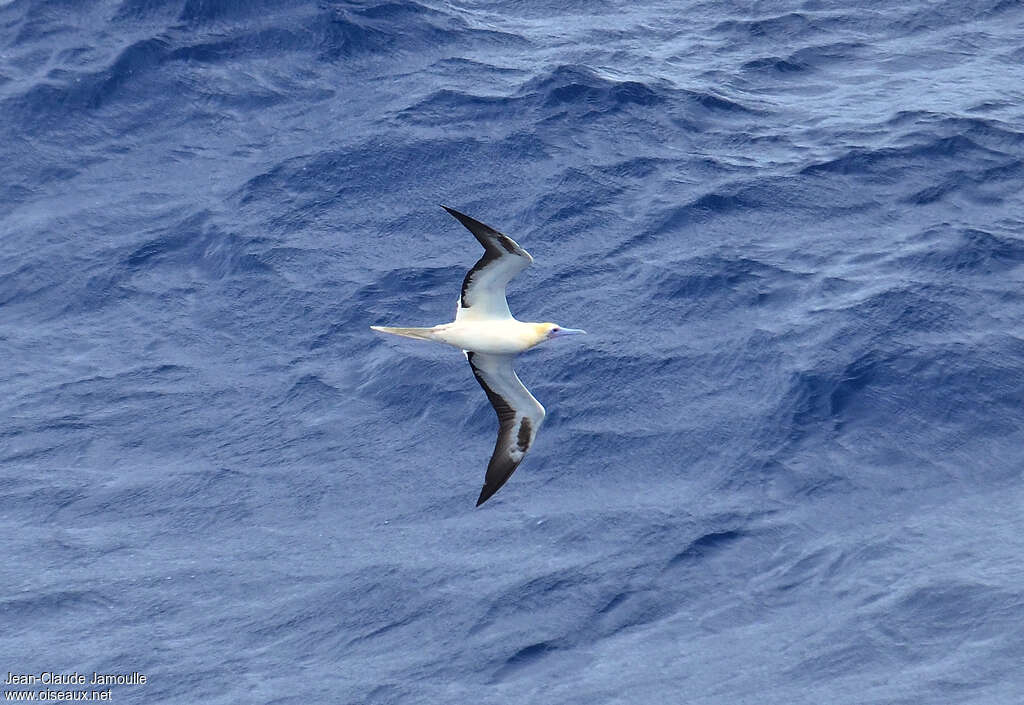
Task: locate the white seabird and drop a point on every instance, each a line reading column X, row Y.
column 485, row 330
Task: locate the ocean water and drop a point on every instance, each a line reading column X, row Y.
column 786, row 465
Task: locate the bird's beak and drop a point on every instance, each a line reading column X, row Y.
column 567, row 331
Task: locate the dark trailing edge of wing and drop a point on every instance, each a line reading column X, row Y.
column 496, row 245
column 501, row 466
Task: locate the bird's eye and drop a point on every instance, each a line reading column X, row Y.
column 555, row 329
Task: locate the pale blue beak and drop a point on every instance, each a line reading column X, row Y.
column 566, row 331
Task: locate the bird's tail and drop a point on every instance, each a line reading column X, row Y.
column 418, row 333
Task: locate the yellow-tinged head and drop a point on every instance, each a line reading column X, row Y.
column 547, row 331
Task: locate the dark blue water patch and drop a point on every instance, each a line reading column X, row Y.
column 917, row 392
column 143, row 77
column 704, row 547
column 914, row 630
column 28, row 282
column 1015, row 57
column 139, row 71
column 581, row 612
column 130, row 12
column 717, row 103
column 347, row 30
column 176, row 261
column 574, row 201
column 735, row 199
column 638, row 167
column 558, row 12
column 695, row 212
column 208, row 12
column 15, row 193
column 268, row 41
column 629, row 610
column 29, row 498
column 669, row 375
column 69, row 93
column 309, row 183
column 854, row 379
column 956, row 374
column 202, row 247
column 776, row 64
column 855, row 654
column 521, row 659
column 365, row 619
column 988, row 186
column 565, row 87
column 346, row 33
column 449, row 104
column 818, row 397
column 36, row 21
column 441, row 404
column 647, row 589
column 115, row 405
column 988, row 106
column 570, row 91
column 889, row 162
column 940, row 16
column 992, row 134
column 780, row 28
column 970, row 251
column 310, row 393
column 574, row 84
column 459, row 66
column 932, row 611
column 825, row 55
column 718, row 283
column 899, row 310
column 21, row 612
column 215, row 498
column 421, row 280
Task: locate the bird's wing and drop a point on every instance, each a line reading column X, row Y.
column 483, row 289
column 519, row 417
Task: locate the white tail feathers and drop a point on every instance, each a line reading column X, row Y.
column 418, row 333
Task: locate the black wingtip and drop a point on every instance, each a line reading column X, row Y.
column 470, row 223
column 485, row 494
column 491, row 239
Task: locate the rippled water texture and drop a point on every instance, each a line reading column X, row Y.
column 784, row 467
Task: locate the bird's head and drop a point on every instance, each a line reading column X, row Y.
column 547, row 331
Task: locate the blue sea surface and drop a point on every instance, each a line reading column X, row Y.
column 785, row 466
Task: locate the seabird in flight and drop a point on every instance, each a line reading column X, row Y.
column 485, row 330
